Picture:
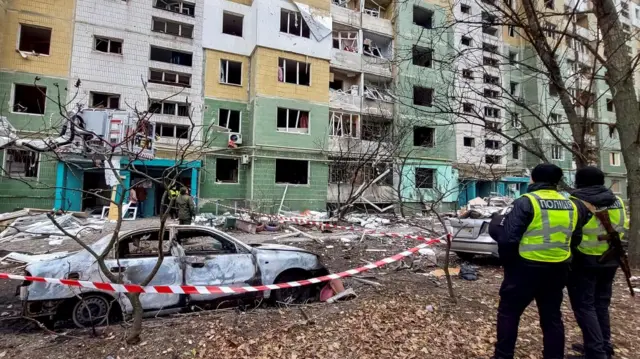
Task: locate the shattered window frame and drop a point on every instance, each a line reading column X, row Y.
column 298, row 114
column 24, row 46
column 176, row 6
column 114, row 46
column 180, row 78
column 296, row 26
column 181, row 109
column 234, row 174
column 184, row 30
column 109, row 97
column 340, row 40
column 224, row 72
column 21, row 92
column 178, row 131
column 29, row 163
column 337, row 124
column 228, row 118
column 557, row 152
column 284, row 66
column 493, row 159
column 425, row 178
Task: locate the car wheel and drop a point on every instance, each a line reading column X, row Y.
column 91, row 310
column 294, row 294
column 464, row 256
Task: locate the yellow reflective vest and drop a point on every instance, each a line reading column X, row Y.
column 590, row 245
column 548, row 236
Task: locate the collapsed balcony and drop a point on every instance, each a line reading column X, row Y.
column 378, row 96
column 344, row 90
column 378, row 52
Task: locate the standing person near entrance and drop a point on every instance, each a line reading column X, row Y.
column 539, row 229
column 173, row 196
column 590, row 281
column 141, row 194
column 186, row 207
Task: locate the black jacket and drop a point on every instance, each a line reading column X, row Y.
column 599, row 196
column 515, row 224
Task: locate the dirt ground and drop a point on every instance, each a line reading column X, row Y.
column 409, row 316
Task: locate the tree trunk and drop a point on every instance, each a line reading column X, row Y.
column 136, row 328
column 619, row 77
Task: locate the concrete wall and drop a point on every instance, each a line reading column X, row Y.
column 212, row 85
column 29, row 192
column 212, row 113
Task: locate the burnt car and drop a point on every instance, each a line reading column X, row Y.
column 471, row 234
column 193, row 255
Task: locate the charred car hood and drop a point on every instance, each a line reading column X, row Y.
column 277, row 247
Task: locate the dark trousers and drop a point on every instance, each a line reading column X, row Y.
column 521, row 285
column 590, row 294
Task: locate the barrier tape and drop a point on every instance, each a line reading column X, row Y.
column 283, row 219
column 208, row 289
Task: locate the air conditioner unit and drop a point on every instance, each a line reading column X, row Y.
column 235, row 138
column 245, row 160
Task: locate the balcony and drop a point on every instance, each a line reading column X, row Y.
column 376, row 17
column 346, row 12
column 582, row 5
column 377, row 54
column 344, row 90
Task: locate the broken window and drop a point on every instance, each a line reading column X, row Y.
column 491, row 112
column 493, row 80
column 548, row 4
column 343, row 124
column 230, row 72
column 229, row 119
column 493, row 159
column 491, row 93
column 169, row 108
column 376, row 129
column 170, row 56
column 515, row 120
column 21, row 163
column 294, row 72
column 557, row 152
column 515, row 151
column 488, row 21
column 35, row 39
column 336, row 84
column 492, row 144
column 226, row 170
column 232, row 24
column 467, row 74
column 465, row 9
column 467, row 107
column 609, row 105
column 422, row 56
column 169, row 78
column 554, row 118
column 487, row 61
column 377, row 46
column 292, row 23
column 469, row 142
column 624, row 9
column 424, row 136
column 422, row 96
column 513, row 89
column 104, row 44
column 29, row 99
column 513, row 58
column 422, row 17
column 104, row 100
column 295, row 121
column 339, row 172
column 425, row 177
column 550, row 30
column 490, row 48
column 177, row 6
column 553, row 89
column 466, row 41
column 172, row 28
column 373, row 92
column 493, row 126
column 172, row 131
column 292, row 171
column 345, row 40
column 512, row 31
column 371, row 8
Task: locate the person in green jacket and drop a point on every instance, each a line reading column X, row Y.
column 186, row 207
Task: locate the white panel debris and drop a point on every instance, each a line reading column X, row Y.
column 319, row 23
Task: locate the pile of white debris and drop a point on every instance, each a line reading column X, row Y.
column 34, row 224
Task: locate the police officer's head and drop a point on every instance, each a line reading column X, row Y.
column 183, row 190
column 589, row 176
column 546, row 173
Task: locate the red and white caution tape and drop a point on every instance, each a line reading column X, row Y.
column 209, row 289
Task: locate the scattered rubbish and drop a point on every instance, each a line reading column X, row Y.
column 345, row 240
column 468, row 272
column 306, row 234
column 366, row 281
column 22, row 258
column 430, row 254
column 375, row 250
column 329, row 247
column 429, row 308
column 29, row 224
column 440, row 272
column 345, row 295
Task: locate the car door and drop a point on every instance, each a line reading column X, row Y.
column 212, row 259
column 137, row 255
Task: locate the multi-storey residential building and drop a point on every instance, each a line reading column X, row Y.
column 284, row 93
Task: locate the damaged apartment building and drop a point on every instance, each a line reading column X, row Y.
column 308, row 103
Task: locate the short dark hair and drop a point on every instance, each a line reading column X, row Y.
column 547, row 173
column 183, row 190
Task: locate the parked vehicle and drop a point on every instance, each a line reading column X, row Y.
column 194, row 255
column 471, row 235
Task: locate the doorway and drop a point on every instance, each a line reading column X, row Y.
column 94, row 186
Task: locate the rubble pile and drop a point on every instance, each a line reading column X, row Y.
column 31, row 224
column 485, row 207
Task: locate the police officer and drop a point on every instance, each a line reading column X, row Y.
column 590, row 282
column 537, row 234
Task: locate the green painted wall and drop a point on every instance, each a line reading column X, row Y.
column 29, row 192
column 447, row 189
column 226, row 193
column 265, row 112
column 31, row 122
column 211, row 113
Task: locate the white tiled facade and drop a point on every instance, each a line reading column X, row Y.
column 131, row 22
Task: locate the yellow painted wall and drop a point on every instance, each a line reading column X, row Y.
column 213, row 87
column 266, row 77
column 54, row 14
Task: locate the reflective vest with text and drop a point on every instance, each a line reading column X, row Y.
column 548, row 236
column 590, row 245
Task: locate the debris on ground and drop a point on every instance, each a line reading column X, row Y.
column 29, row 224
column 440, row 272
column 468, row 272
column 367, row 221
column 485, row 207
